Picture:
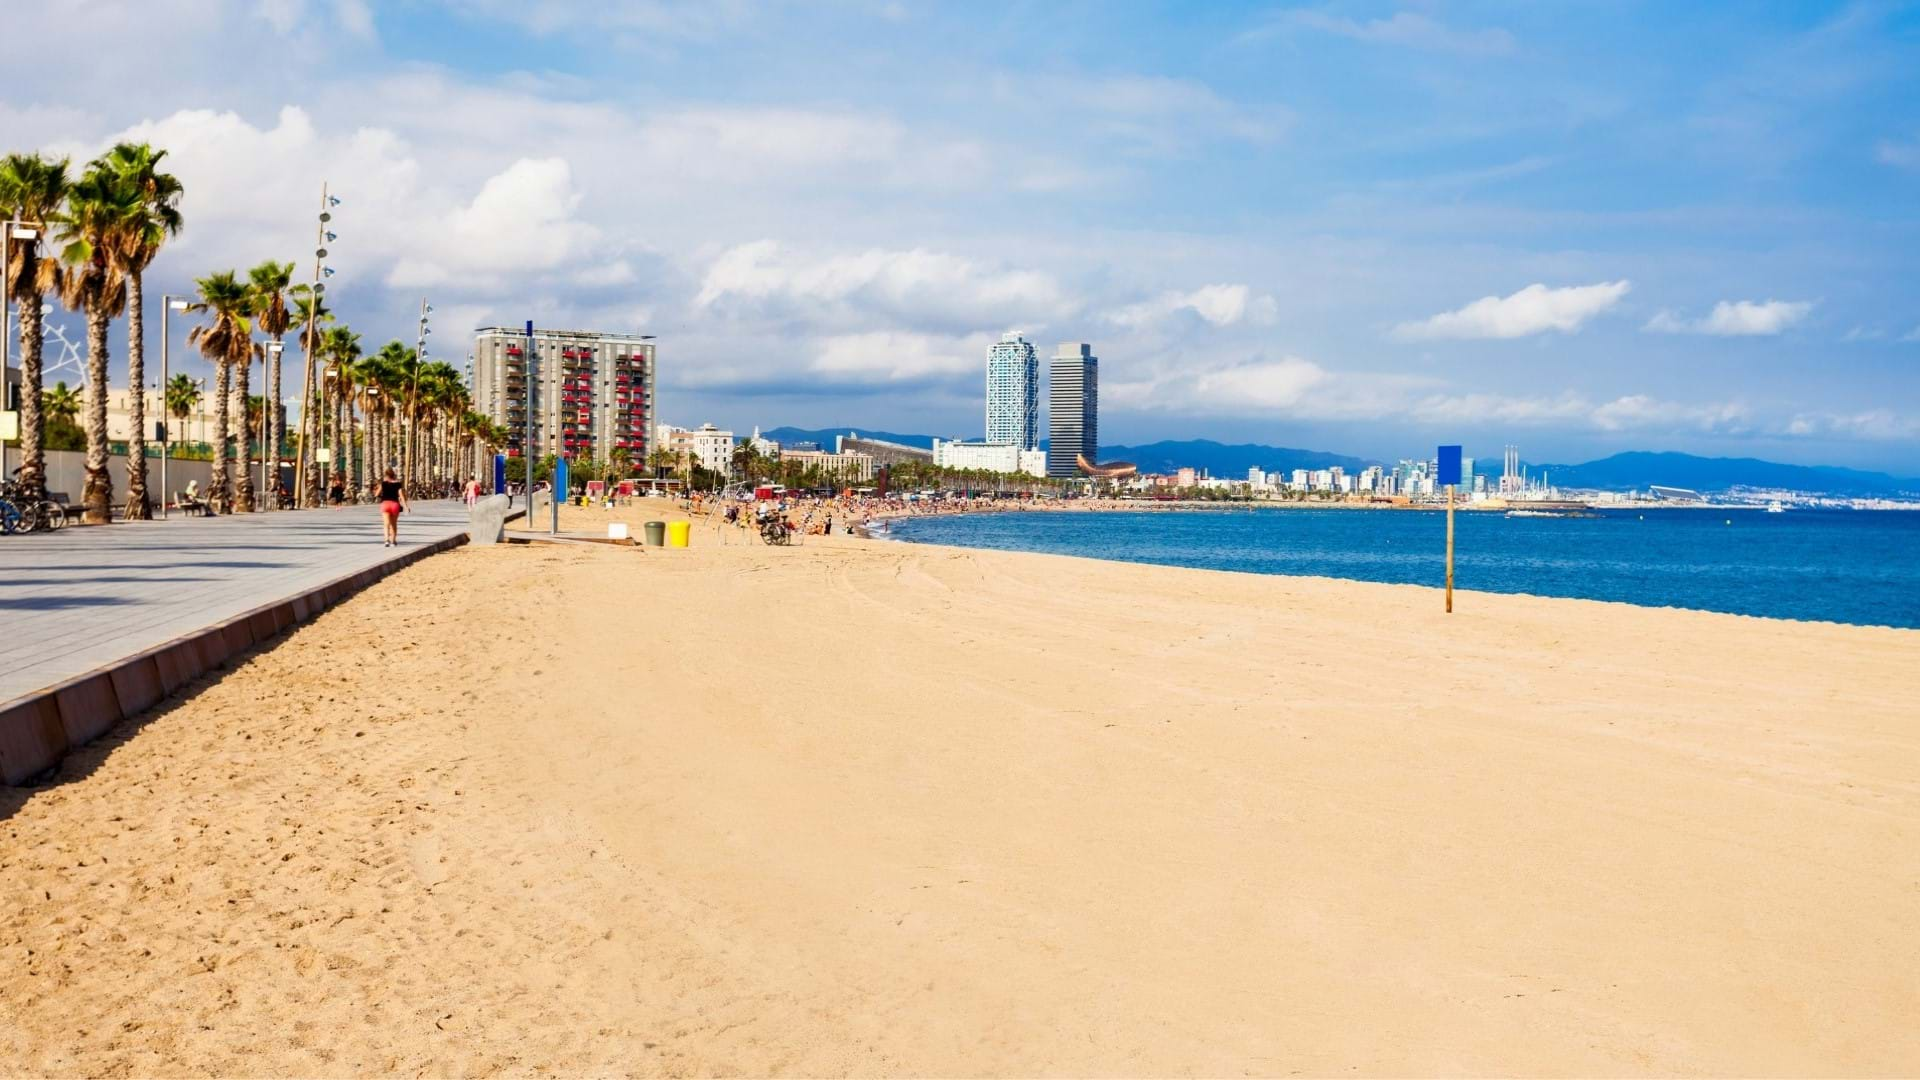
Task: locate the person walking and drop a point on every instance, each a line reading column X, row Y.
column 473, row 492
column 393, row 500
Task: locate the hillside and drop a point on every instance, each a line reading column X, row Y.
column 1221, row 459
column 1639, row 469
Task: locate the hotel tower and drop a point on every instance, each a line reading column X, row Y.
column 1013, row 393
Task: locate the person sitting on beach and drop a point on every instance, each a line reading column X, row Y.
column 393, row 499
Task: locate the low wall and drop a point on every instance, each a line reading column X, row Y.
column 67, row 472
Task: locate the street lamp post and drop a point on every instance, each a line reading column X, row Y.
column 310, row 425
column 168, row 305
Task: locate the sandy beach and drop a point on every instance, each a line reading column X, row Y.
column 868, row 808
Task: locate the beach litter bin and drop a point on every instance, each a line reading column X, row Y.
column 656, row 533
column 678, row 532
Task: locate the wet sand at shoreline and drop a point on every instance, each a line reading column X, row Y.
column 867, row 808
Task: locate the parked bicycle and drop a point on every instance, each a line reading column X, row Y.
column 19, row 514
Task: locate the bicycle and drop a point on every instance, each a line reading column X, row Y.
column 23, row 515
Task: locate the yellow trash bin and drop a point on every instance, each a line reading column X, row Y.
column 678, row 532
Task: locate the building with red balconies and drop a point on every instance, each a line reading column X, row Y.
column 591, row 393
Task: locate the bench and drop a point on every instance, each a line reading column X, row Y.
column 69, row 509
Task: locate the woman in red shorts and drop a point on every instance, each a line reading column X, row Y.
column 392, row 501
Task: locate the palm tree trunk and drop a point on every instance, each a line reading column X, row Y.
column 273, row 435
column 243, row 482
column 33, row 421
column 98, row 495
column 137, row 506
column 217, row 483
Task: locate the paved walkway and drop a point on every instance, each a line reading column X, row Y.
column 82, row 598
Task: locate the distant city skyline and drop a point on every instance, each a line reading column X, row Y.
column 1365, row 225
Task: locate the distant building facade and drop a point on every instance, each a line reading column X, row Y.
column 1013, row 393
column 593, row 393
column 844, row 467
column 998, row 457
column 881, row 451
column 1073, row 425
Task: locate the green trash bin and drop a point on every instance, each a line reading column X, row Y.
column 656, row 534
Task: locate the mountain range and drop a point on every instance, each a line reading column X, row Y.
column 1631, row 470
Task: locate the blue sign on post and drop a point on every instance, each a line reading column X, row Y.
column 1449, row 466
column 499, row 474
column 560, row 483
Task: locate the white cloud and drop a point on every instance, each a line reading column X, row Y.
column 1634, row 412
column 1533, row 310
column 1410, row 29
column 1911, row 335
column 899, row 355
column 1735, row 318
column 916, row 286
column 1220, row 305
column 1873, row 424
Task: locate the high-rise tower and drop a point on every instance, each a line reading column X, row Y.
column 1073, row 426
column 1013, row 393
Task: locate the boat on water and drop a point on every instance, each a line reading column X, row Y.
column 1774, row 507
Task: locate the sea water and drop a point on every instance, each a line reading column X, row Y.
column 1835, row 565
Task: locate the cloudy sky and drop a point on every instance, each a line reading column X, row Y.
column 1368, row 227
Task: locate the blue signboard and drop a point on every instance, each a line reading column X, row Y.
column 499, row 474
column 1449, row 466
column 560, row 486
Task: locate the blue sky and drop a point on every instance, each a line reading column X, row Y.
column 1369, row 227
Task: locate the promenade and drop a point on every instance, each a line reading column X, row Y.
column 86, row 599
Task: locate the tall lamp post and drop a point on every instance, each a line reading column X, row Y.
column 413, row 397
column 304, row 495
column 168, row 305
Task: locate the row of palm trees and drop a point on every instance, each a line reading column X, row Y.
column 96, row 234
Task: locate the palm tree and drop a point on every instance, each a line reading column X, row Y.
column 32, row 188
column 269, row 283
column 389, row 372
column 182, row 393
column 309, row 311
column 92, row 281
column 155, row 217
column 225, row 341
column 339, row 348
column 60, row 403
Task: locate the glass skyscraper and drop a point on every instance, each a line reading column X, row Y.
column 1074, row 406
column 1013, row 393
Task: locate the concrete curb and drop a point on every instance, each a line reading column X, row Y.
column 37, row 731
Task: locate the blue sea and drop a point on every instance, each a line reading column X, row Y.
column 1833, row 565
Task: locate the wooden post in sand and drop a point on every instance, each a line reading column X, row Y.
column 1447, row 471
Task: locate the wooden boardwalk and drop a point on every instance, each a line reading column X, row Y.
column 83, row 599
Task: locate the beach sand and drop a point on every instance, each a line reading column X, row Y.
column 871, row 808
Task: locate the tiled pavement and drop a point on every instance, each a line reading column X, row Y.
column 82, row 599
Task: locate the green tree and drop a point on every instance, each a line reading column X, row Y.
column 153, row 217
column 32, row 189
column 93, row 282
column 269, row 283
column 309, row 311
column 226, row 340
